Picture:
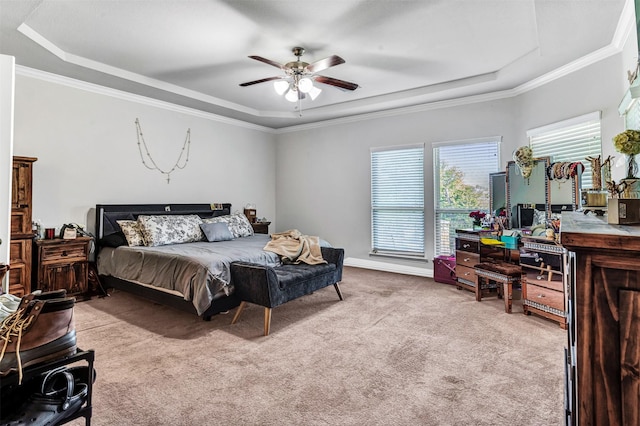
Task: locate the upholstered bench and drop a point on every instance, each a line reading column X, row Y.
column 273, row 286
column 504, row 274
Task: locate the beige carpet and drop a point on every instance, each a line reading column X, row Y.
column 399, row 350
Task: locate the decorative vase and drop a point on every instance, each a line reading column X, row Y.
column 477, row 224
column 632, row 167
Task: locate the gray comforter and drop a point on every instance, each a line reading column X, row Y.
column 199, row 271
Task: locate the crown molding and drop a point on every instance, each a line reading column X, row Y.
column 625, row 25
column 127, row 96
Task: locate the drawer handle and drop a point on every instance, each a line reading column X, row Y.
column 64, row 253
column 540, row 296
column 466, row 245
column 467, row 273
column 466, row 259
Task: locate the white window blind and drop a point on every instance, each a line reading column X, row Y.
column 570, row 140
column 397, row 200
column 461, row 180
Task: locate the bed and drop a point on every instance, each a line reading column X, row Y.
column 192, row 276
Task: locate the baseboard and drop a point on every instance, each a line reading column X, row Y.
column 388, row 267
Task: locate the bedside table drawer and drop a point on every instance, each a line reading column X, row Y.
column 465, row 258
column 66, row 252
column 545, row 296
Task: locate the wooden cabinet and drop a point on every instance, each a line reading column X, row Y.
column 603, row 355
column 21, row 234
column 543, row 280
column 63, row 264
column 261, row 227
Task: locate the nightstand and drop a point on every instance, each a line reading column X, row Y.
column 261, row 227
column 60, row 263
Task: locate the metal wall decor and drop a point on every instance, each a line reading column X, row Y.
column 141, row 142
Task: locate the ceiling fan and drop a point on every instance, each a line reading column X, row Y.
column 299, row 76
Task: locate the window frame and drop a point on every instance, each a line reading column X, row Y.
column 437, row 211
column 388, row 251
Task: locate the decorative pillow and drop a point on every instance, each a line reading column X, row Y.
column 159, row 230
column 116, row 239
column 218, row 231
column 238, row 224
column 131, row 232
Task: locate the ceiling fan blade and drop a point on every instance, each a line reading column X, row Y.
column 346, row 85
column 323, row 64
column 267, row 61
column 262, row 80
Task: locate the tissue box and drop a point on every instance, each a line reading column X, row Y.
column 510, row 241
column 444, row 270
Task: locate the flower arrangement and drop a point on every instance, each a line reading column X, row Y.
column 627, row 142
column 477, row 216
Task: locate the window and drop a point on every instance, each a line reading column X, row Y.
column 397, row 200
column 461, row 185
column 569, row 141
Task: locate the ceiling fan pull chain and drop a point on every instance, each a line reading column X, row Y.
column 141, row 141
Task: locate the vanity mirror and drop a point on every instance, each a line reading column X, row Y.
column 564, row 192
column 497, row 192
column 527, row 198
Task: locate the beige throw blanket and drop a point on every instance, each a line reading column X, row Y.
column 293, row 247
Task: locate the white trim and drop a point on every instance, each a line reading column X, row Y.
column 130, row 97
column 396, row 147
column 467, row 141
column 592, row 116
column 388, row 267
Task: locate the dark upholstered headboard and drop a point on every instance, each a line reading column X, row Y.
column 108, row 214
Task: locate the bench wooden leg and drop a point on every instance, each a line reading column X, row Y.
column 267, row 321
column 337, row 287
column 478, row 288
column 508, row 296
column 238, row 312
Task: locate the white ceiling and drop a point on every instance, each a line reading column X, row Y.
column 401, row 52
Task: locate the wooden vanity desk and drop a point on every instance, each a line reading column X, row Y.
column 603, row 356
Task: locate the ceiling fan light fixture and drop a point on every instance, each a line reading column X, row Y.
column 292, row 95
column 305, row 85
column 281, row 86
column 314, row 92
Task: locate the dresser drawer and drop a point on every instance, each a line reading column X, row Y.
column 467, row 245
column 465, row 258
column 19, row 251
column 465, row 273
column 64, row 252
column 543, row 295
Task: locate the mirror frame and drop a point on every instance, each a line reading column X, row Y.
column 498, row 179
column 510, row 178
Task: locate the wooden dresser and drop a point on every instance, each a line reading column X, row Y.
column 469, row 252
column 603, row 354
column 21, row 226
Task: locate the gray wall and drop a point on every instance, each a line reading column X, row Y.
column 315, row 179
column 87, row 153
column 323, row 179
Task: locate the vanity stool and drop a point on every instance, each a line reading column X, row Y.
column 499, row 275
